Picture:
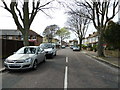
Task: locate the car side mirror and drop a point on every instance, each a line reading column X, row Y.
column 38, row 52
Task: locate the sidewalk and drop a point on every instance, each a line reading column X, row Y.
column 115, row 62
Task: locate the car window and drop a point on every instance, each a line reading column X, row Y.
column 46, row 45
column 32, row 50
column 38, row 50
column 26, row 50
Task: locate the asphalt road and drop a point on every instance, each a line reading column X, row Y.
column 67, row 70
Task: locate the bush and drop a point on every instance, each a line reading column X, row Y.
column 112, row 35
column 84, row 46
column 95, row 47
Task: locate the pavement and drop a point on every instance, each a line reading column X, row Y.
column 112, row 61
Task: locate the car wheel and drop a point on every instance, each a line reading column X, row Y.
column 35, row 65
column 44, row 59
column 6, row 69
column 52, row 55
column 55, row 54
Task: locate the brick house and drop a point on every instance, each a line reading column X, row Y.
column 92, row 39
column 73, row 42
column 17, row 35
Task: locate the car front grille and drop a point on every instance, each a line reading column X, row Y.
column 26, row 66
column 15, row 61
column 14, row 66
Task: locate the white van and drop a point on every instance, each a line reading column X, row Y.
column 49, row 48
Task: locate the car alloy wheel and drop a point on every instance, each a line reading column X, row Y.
column 35, row 65
column 55, row 53
column 52, row 55
column 44, row 59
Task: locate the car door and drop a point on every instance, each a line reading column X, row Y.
column 54, row 50
column 40, row 54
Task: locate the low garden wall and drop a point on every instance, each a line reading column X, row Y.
column 113, row 53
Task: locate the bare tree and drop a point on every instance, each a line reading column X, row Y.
column 99, row 12
column 78, row 24
column 24, row 16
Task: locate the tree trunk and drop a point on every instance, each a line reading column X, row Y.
column 80, row 43
column 100, row 45
column 25, row 38
column 26, row 22
column 61, row 41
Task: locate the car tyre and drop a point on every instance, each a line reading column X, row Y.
column 55, row 54
column 52, row 55
column 35, row 65
column 44, row 59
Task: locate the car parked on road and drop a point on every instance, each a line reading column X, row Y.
column 49, row 48
column 71, row 47
column 25, row 58
column 76, row 48
column 63, row 46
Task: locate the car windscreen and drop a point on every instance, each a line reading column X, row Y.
column 45, row 46
column 26, row 50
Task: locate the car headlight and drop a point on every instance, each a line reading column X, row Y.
column 6, row 60
column 50, row 52
column 28, row 60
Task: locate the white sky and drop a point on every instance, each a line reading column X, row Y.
column 41, row 21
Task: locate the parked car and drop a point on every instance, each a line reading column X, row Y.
column 25, row 58
column 71, row 47
column 76, row 48
column 49, row 48
column 63, row 46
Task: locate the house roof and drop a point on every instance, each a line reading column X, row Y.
column 9, row 32
column 92, row 35
column 16, row 32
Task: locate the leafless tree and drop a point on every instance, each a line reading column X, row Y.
column 78, row 24
column 25, row 13
column 100, row 12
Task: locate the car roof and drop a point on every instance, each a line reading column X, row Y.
column 32, row 46
column 48, row 43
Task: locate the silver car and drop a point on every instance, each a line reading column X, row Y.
column 49, row 48
column 26, row 57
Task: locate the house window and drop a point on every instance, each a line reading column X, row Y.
column 29, row 37
column 16, row 37
column 4, row 37
column 10, row 37
column 0, row 37
column 34, row 37
column 21, row 37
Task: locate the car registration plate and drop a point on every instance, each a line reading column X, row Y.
column 14, row 65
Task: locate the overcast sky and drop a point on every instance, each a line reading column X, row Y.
column 41, row 21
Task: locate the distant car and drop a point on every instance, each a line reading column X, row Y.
column 76, row 48
column 49, row 48
column 25, row 58
column 63, row 46
column 71, row 47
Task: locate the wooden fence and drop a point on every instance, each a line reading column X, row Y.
column 8, row 47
